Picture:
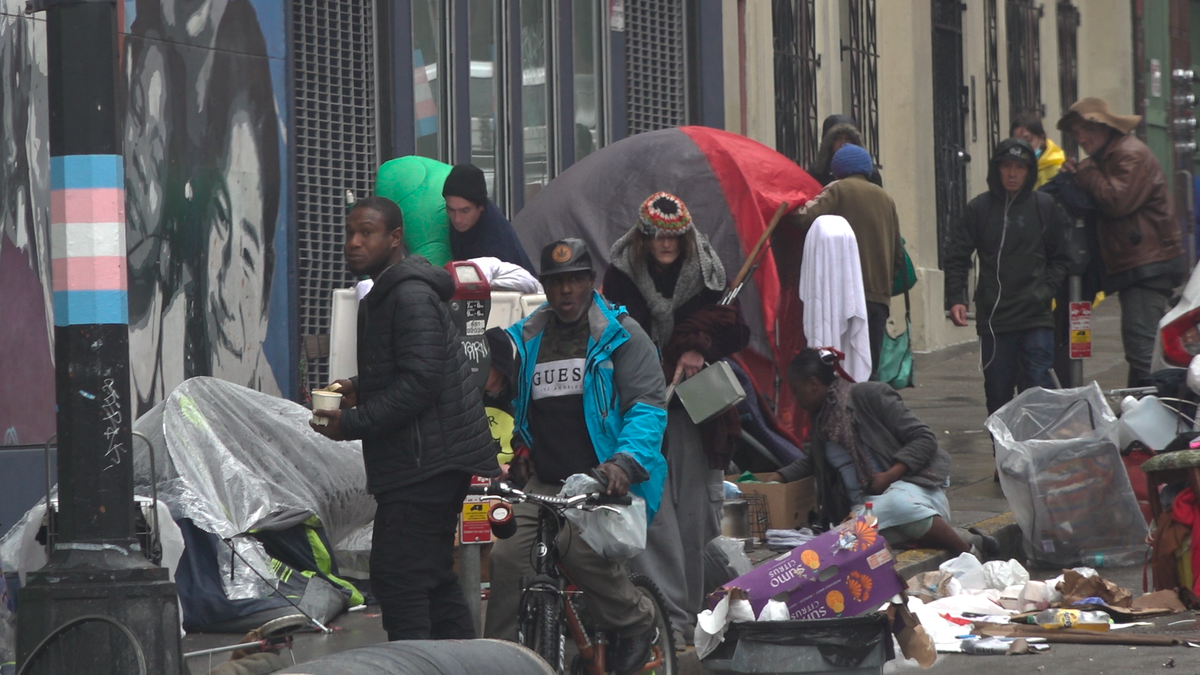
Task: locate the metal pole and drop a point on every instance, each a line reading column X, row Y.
column 96, row 560
column 470, row 579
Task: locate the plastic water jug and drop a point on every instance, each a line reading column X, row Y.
column 1148, row 421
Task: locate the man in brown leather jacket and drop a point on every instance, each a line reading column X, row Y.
column 1139, row 239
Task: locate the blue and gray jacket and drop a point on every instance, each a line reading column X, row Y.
column 623, row 392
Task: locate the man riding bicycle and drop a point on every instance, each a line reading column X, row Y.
column 589, row 396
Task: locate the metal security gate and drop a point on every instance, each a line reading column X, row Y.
column 950, row 107
column 336, row 152
column 1068, row 65
column 796, row 62
column 991, row 57
column 1024, row 58
column 655, row 64
column 863, row 59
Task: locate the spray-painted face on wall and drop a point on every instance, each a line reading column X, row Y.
column 236, row 251
column 237, row 203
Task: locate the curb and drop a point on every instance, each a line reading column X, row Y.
column 1003, row 527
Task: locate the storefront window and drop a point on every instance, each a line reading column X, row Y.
column 429, row 78
column 589, row 125
column 486, row 150
column 535, row 95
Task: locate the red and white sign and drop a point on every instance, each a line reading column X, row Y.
column 1081, row 330
column 474, row 527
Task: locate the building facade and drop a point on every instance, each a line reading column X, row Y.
column 251, row 123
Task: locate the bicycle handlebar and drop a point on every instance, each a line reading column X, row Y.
column 587, row 502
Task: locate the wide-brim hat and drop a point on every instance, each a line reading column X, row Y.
column 1095, row 109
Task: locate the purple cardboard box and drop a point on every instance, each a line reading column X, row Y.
column 847, row 571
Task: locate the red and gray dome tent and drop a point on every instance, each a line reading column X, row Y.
column 731, row 184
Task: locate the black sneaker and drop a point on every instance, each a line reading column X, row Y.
column 633, row 652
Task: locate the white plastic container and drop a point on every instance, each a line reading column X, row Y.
column 1148, row 421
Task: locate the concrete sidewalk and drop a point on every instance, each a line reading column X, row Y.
column 949, row 397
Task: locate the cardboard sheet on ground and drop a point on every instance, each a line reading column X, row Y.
column 1159, row 603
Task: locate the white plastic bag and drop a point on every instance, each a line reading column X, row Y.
column 774, row 610
column 999, row 574
column 614, row 532
column 967, row 569
column 711, row 624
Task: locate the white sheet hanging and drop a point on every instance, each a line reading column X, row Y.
column 831, row 287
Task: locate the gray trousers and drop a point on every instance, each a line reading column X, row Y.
column 612, row 600
column 1142, row 306
column 688, row 518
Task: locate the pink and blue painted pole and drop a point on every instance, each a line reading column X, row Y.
column 98, row 572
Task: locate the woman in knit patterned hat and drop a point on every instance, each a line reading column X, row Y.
column 667, row 276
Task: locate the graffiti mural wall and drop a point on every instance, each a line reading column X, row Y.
column 26, row 315
column 206, row 178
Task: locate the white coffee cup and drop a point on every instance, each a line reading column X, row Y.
column 325, row 400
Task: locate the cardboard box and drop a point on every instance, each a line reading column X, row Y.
column 848, row 571
column 787, row 503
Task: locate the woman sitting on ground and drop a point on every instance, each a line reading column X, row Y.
column 867, row 446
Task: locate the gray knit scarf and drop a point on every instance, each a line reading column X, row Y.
column 703, row 270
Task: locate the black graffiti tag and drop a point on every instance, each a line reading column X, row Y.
column 112, row 415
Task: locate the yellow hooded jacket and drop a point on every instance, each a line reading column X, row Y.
column 1051, row 158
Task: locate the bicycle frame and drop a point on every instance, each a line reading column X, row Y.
column 551, row 577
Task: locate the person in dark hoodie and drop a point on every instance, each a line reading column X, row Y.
column 836, row 131
column 477, row 228
column 1020, row 238
column 422, row 425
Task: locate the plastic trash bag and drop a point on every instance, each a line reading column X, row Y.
column 1061, row 471
column 999, row 574
column 724, row 560
column 614, row 534
column 967, row 569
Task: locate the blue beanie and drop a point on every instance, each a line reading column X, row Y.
column 850, row 160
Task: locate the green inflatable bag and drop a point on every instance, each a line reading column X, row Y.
column 415, row 184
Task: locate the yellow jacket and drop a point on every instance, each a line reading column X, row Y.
column 1051, row 158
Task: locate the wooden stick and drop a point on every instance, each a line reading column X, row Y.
column 1078, row 636
column 741, row 275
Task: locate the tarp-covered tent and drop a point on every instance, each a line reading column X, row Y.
column 239, row 465
column 242, row 468
column 731, row 184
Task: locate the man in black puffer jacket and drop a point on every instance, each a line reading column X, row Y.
column 422, row 425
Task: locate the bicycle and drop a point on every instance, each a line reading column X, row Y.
column 551, row 604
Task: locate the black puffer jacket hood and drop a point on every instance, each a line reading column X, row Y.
column 1012, row 148
column 418, row 413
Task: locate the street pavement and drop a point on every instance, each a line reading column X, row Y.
column 948, row 396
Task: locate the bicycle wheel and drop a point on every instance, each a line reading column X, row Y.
column 662, row 659
column 540, row 625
